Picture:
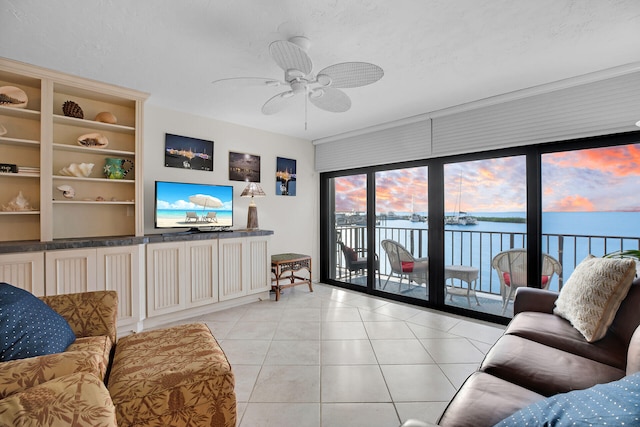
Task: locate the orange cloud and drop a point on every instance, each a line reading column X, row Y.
column 575, row 203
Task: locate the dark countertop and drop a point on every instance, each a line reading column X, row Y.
column 96, row 242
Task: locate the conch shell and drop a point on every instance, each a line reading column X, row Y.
column 75, row 169
column 94, row 140
column 18, row 204
column 11, row 96
column 67, row 191
column 106, row 117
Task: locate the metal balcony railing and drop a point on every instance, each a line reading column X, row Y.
column 477, row 248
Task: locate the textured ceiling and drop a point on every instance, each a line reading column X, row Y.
column 435, row 54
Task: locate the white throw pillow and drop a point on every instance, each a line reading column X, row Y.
column 592, row 295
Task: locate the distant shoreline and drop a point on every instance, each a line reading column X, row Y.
column 513, row 219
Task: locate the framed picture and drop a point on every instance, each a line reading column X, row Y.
column 244, row 167
column 285, row 177
column 188, row 153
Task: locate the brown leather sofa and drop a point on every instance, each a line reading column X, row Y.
column 541, row 355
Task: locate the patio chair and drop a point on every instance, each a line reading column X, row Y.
column 511, row 266
column 191, row 217
column 210, row 217
column 355, row 261
column 404, row 264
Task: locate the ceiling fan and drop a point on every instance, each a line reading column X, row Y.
column 321, row 89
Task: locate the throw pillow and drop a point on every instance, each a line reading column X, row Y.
column 350, row 254
column 29, row 327
column 612, row 404
column 592, row 295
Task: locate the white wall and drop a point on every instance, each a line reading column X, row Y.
column 294, row 219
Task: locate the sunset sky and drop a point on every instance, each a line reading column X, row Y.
column 601, row 179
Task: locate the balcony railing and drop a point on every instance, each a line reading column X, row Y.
column 477, row 248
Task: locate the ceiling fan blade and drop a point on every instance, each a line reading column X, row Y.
column 290, row 56
column 330, row 99
column 278, row 102
column 350, row 74
column 249, row 81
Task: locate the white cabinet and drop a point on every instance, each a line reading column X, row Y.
column 70, row 271
column 202, row 272
column 166, row 278
column 197, row 273
column 24, row 270
column 118, row 268
column 42, row 140
column 245, row 265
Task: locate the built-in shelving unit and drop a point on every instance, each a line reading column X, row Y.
column 43, row 139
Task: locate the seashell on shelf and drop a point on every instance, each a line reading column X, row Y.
column 75, row 169
column 18, row 204
column 11, row 96
column 95, row 140
column 71, row 109
column 106, row 117
column 67, row 191
column 3, row 130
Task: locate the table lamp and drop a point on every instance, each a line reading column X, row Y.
column 252, row 189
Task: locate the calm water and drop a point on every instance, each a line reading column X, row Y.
column 477, row 244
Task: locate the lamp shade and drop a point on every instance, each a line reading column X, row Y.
column 253, row 189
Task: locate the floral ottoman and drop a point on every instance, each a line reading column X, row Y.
column 173, row 376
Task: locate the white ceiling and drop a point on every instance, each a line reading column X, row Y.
column 435, row 53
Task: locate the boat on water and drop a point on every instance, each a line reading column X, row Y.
column 460, row 217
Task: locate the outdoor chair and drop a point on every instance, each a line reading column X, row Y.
column 210, row 217
column 511, row 266
column 404, row 264
column 191, row 217
column 355, row 261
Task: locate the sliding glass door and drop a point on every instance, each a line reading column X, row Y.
column 349, row 261
column 401, row 197
column 485, row 220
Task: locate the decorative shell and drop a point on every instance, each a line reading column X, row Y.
column 95, row 140
column 18, row 204
column 11, row 96
column 3, row 130
column 67, row 191
column 75, row 169
column 71, row 109
column 106, row 117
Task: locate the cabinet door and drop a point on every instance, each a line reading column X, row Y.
column 259, row 265
column 202, row 272
column 70, row 271
column 232, row 282
column 24, row 270
column 165, row 278
column 121, row 269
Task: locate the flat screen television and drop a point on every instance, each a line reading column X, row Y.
column 200, row 207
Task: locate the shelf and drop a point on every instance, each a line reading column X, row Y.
column 81, row 178
column 43, row 140
column 19, row 175
column 81, row 149
column 93, row 202
column 18, row 141
column 91, row 124
column 20, row 112
column 20, row 213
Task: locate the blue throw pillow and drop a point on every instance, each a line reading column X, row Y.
column 29, row 327
column 611, row 404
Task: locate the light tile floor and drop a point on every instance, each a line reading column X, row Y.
column 335, row 358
